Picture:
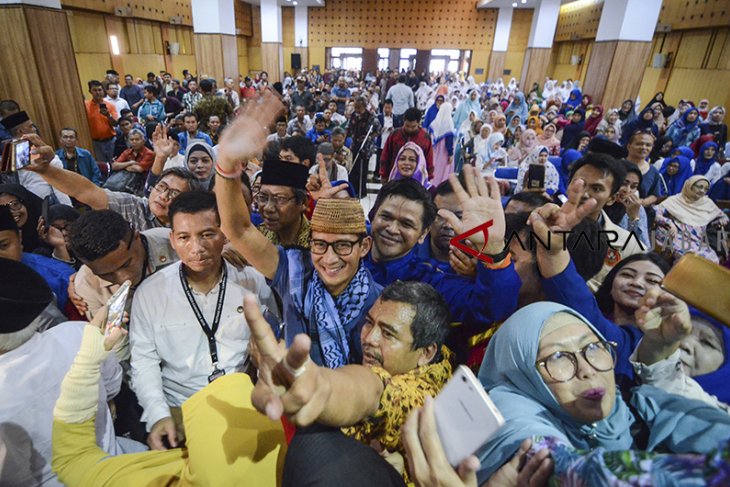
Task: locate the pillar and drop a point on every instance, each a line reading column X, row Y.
column 272, row 54
column 35, row 48
column 621, row 50
column 369, row 60
column 423, row 60
column 540, row 43
column 301, row 33
column 214, row 36
column 499, row 46
column 394, row 59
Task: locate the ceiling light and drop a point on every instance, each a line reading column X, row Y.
column 524, row 1
column 295, row 3
column 514, row 4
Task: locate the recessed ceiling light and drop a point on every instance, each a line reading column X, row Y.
column 514, row 4
column 295, row 3
column 524, row 1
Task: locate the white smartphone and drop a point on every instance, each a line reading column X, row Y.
column 465, row 416
column 116, row 305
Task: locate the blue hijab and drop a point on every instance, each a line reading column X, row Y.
column 703, row 165
column 574, row 99
column 716, row 383
column 719, row 191
column 676, row 183
column 530, row 409
column 639, row 124
column 464, row 109
column 518, row 107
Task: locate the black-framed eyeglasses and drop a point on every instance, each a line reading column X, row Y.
column 563, row 366
column 263, row 199
column 164, row 189
column 343, row 248
column 15, row 205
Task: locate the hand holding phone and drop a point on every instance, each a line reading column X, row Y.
column 116, row 305
column 465, row 416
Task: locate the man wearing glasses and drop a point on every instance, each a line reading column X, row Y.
column 141, row 213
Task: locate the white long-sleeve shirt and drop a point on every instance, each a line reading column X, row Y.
column 170, row 355
column 402, row 96
column 30, row 383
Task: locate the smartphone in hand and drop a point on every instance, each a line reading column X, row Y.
column 116, row 305
column 465, row 416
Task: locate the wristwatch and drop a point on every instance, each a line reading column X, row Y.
column 497, row 258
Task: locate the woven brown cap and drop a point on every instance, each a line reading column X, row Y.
column 336, row 215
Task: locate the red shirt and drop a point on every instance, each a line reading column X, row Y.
column 145, row 158
column 397, row 140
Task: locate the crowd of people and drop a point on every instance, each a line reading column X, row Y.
column 282, row 330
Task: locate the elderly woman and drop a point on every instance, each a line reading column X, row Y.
column 682, row 220
column 550, row 373
column 539, row 156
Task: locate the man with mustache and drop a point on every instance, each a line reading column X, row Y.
column 171, row 358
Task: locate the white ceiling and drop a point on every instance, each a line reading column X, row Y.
column 508, row 3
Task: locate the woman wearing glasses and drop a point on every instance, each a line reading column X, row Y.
column 26, row 209
column 550, row 372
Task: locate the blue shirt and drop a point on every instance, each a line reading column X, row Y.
column 84, row 164
column 291, row 282
column 312, row 135
column 55, row 273
column 341, row 93
column 492, row 297
column 155, row 108
column 132, row 94
column 183, row 137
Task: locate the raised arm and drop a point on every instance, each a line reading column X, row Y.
column 73, row 184
column 291, row 384
column 241, row 141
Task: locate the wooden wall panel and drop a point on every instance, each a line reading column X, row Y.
column 519, row 35
column 158, row 10
column 243, row 65
column 578, row 20
column 37, row 43
column 496, row 65
column 692, row 49
column 560, row 67
column 244, row 18
column 683, row 14
column 624, row 78
column 271, row 56
column 287, row 27
column 696, row 84
column 230, row 58
column 535, row 67
column 456, row 24
column 599, row 66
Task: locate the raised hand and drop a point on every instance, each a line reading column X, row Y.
column 663, row 317
column 320, row 187
column 52, row 236
column 246, row 136
column 41, row 154
column 480, row 202
column 551, row 222
column 289, row 383
column 164, row 146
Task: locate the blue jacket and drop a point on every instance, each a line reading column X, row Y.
column 156, row 109
column 54, row 272
column 182, row 138
column 397, row 123
column 492, row 297
column 85, row 162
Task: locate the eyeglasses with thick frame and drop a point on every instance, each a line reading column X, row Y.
column 166, row 190
column 343, row 248
column 601, row 355
column 263, row 199
column 15, row 205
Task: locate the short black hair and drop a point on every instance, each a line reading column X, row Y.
column 191, row 114
column 193, row 202
column 9, row 106
column 603, row 295
column 152, row 89
column 181, row 173
column 206, row 86
column 271, row 150
column 98, row 233
column 388, row 102
column 411, row 190
column 338, row 131
column 301, row 146
column 530, row 198
column 94, row 82
column 124, row 112
column 111, row 71
column 631, row 167
column 319, row 119
column 412, row 115
column 445, row 187
column 70, row 129
column 401, row 79
column 604, row 163
column 432, row 319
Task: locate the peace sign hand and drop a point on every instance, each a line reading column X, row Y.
column 320, row 187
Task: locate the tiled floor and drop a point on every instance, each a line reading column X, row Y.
column 368, row 202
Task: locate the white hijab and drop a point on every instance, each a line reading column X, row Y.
column 696, row 213
column 443, row 124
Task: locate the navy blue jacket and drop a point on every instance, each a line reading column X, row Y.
column 86, row 164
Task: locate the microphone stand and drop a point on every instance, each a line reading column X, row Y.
column 362, row 164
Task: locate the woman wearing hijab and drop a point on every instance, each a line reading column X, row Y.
column 675, row 171
column 423, row 94
column 519, row 152
column 686, row 129
column 471, row 104
column 571, row 131
column 410, row 163
column 662, row 149
column 499, row 124
column 593, row 120
column 480, row 139
column 574, row 100
column 442, row 135
column 518, row 108
column 720, row 190
column 682, row 220
column 534, row 123
column 626, row 113
column 547, row 138
column 706, row 164
column 642, row 123
column 432, row 111
column 26, row 209
column 538, row 156
column 580, row 142
column 551, row 374
column 492, row 155
column 715, row 126
column 610, row 121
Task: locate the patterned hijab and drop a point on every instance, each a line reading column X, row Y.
column 421, row 172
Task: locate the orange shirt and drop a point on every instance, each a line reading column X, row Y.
column 99, row 125
column 145, row 158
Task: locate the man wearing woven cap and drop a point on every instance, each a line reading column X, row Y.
column 326, row 291
column 32, row 366
column 282, row 201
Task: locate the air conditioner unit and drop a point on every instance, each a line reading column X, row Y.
column 659, row 61
column 123, row 11
column 176, row 20
column 663, row 27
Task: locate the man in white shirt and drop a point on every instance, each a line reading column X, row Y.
column 112, row 96
column 187, row 326
column 32, row 366
column 402, row 96
column 300, row 124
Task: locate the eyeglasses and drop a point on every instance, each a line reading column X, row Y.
column 263, row 199
column 166, row 190
column 343, row 248
column 15, row 205
column 563, row 366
